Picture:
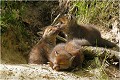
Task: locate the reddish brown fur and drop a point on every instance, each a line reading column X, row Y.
column 59, row 57
column 66, row 56
column 74, row 47
column 88, row 32
column 39, row 53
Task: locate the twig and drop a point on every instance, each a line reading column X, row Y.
column 61, row 38
column 56, row 19
column 101, row 52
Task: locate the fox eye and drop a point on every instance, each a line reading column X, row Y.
column 61, row 22
column 61, row 63
column 50, row 29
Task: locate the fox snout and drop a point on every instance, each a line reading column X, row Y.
column 56, row 67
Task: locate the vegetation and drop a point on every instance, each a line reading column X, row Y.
column 17, row 32
column 97, row 12
column 17, row 36
column 13, row 32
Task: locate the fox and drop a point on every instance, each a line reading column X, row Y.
column 40, row 52
column 67, row 56
column 72, row 29
column 59, row 58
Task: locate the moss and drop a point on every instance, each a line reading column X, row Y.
column 20, row 22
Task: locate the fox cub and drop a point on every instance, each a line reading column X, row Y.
column 67, row 56
column 40, row 52
column 89, row 32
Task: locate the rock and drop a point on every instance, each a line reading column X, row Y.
column 44, row 72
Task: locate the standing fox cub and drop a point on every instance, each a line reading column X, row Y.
column 73, row 30
column 40, row 52
column 67, row 56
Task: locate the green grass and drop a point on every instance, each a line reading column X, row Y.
column 14, row 37
column 97, row 12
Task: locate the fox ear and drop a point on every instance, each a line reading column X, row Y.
column 56, row 53
column 72, row 58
